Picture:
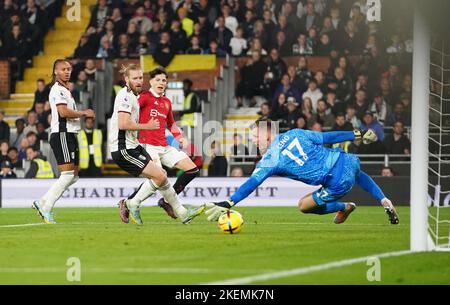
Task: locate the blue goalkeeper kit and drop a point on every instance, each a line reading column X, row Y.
column 300, row 155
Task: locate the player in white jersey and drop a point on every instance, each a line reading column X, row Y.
column 65, row 125
column 132, row 157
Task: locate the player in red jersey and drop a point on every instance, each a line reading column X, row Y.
column 153, row 104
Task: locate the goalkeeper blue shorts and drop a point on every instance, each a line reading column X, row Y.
column 340, row 181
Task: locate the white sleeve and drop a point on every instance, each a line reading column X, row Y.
column 124, row 104
column 57, row 97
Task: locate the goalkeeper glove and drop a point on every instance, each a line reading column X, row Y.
column 369, row 136
column 215, row 209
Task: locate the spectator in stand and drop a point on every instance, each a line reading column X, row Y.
column 90, row 69
column 310, row 19
column 281, row 44
column 238, row 44
column 312, row 40
column 84, row 49
column 328, row 29
column 42, row 115
column 387, row 172
column 317, row 126
column 15, row 49
column 238, row 149
column 13, row 155
column 248, row 24
column 260, row 33
column 154, row 35
column 41, row 93
column 301, row 47
column 214, row 48
column 252, row 80
column 361, row 105
column 42, row 135
column 195, row 46
column 4, row 147
column 290, row 119
column 307, row 111
column 336, row 105
column 350, row 40
column 31, row 122
column 397, row 143
column 6, row 170
column 286, row 88
column 23, row 149
column 380, row 108
column 398, row 115
column 406, row 101
column 221, row 34
column 342, row 84
column 230, row 21
column 218, row 165
column 81, row 83
column 351, row 117
column 164, row 52
column 33, row 140
column 336, row 21
column 313, row 93
column 255, row 45
column 120, row 24
column 370, row 122
column 178, row 37
column 264, row 111
column 237, row 172
column 303, row 74
column 323, row 114
column 4, row 127
column 16, row 138
column 187, row 24
column 144, row 24
column 276, row 68
column 324, row 46
column 268, row 23
column 133, row 35
column 341, row 124
column 99, row 14
column 280, row 108
column 301, row 122
column 106, row 50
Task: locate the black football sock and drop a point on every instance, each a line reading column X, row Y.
column 185, row 179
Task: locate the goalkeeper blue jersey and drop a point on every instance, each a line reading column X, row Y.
column 297, row 154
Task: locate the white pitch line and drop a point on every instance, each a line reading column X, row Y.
column 304, row 270
column 22, row 225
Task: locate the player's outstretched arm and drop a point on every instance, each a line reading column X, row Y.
column 333, row 137
column 125, row 123
column 218, row 208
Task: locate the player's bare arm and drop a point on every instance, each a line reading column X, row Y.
column 125, row 123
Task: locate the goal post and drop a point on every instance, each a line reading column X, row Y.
column 419, row 133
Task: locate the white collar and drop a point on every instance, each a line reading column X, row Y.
column 154, row 93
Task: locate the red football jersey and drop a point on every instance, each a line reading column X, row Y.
column 158, row 108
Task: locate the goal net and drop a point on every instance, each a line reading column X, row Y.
column 439, row 145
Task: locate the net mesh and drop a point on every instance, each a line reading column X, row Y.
column 439, row 144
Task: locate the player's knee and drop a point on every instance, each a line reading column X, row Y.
column 302, row 207
column 160, row 177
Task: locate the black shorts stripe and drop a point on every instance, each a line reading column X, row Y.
column 65, row 147
column 133, row 161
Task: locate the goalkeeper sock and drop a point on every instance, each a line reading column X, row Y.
column 146, row 189
column 185, row 179
column 329, row 208
column 367, row 184
column 170, row 196
column 64, row 181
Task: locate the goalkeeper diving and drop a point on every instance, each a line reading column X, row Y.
column 300, row 155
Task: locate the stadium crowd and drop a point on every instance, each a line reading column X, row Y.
column 367, row 85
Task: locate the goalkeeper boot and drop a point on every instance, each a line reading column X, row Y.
column 342, row 216
column 390, row 211
column 167, row 207
column 135, row 215
column 193, row 212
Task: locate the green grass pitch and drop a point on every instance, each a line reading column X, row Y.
column 165, row 252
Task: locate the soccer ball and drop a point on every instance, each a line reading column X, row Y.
column 230, row 222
